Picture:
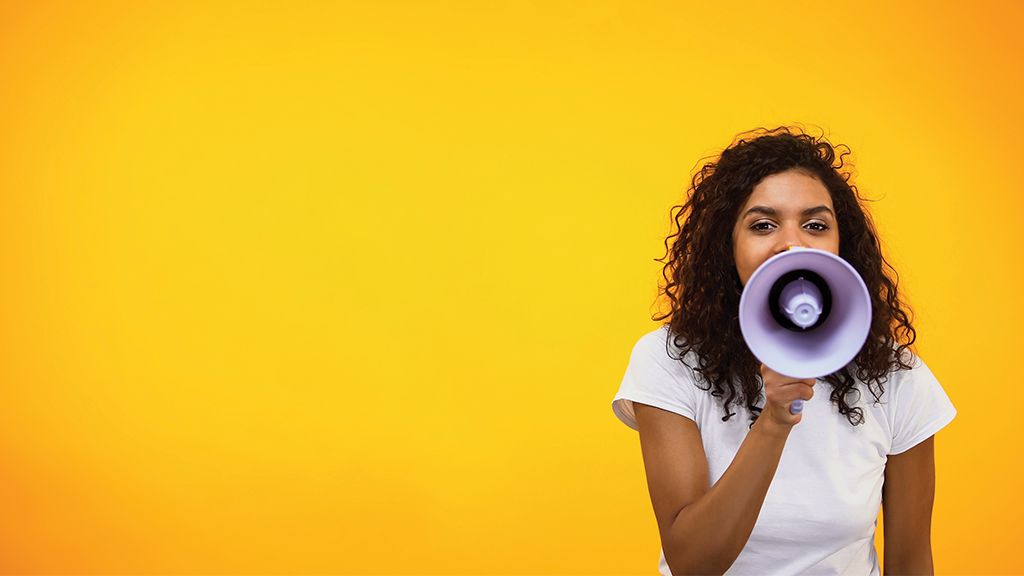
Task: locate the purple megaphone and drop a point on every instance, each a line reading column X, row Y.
column 805, row 313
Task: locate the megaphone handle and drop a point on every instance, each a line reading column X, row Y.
column 797, row 406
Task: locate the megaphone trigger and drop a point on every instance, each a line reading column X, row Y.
column 797, row 406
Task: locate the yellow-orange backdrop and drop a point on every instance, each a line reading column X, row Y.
column 347, row 287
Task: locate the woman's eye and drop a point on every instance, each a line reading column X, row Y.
column 762, row 226
column 817, row 226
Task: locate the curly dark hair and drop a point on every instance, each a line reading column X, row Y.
column 703, row 288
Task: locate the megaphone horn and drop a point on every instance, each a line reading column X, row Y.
column 805, row 313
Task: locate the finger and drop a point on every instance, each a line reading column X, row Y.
column 793, row 399
column 809, row 389
column 796, row 389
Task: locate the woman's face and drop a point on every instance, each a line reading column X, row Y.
column 786, row 209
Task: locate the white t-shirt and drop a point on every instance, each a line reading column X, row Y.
column 820, row 511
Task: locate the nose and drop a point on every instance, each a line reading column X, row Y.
column 789, row 238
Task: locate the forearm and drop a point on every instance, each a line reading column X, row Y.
column 908, row 494
column 908, row 545
column 706, row 536
column 908, row 561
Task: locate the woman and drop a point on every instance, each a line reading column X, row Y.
column 737, row 481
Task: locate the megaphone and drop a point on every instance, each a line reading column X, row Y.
column 805, row 313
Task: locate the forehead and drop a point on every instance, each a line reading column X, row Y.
column 794, row 189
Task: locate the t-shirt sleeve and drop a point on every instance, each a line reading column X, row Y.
column 655, row 378
column 918, row 407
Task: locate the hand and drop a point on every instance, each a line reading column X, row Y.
column 780, row 392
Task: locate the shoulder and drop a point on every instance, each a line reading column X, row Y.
column 915, row 404
column 657, row 375
column 656, row 343
column 904, row 383
column 657, row 354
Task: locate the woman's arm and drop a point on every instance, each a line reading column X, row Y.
column 703, row 530
column 907, row 496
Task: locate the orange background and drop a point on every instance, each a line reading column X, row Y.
column 347, row 287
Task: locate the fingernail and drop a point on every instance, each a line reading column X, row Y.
column 796, row 407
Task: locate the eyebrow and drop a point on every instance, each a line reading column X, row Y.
column 818, row 210
column 769, row 211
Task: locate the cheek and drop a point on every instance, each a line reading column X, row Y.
column 750, row 256
column 746, row 261
column 832, row 245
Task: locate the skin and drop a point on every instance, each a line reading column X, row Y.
column 703, row 529
column 784, row 210
column 907, row 497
